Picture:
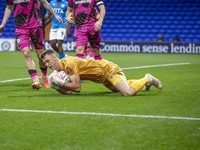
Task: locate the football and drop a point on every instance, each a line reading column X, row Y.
column 64, row 76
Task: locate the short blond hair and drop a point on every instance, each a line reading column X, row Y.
column 46, row 52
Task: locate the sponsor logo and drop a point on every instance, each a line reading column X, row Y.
column 69, row 45
column 191, row 48
column 18, row 40
column 5, row 46
column 69, row 70
column 151, row 47
column 155, row 49
column 140, row 47
column 119, row 48
column 58, row 10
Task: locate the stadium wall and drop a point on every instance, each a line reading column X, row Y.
column 121, row 46
column 140, row 47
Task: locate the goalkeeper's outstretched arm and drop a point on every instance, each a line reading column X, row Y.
column 74, row 85
column 65, row 87
column 64, row 91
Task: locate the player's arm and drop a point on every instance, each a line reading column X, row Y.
column 69, row 14
column 74, row 85
column 98, row 24
column 68, row 28
column 102, row 12
column 64, row 87
column 98, row 16
column 50, row 9
column 47, row 15
column 56, row 86
column 64, row 91
column 7, row 14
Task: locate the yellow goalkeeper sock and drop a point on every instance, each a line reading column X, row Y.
column 138, row 84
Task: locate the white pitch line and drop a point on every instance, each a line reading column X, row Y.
column 99, row 114
column 140, row 67
column 162, row 65
column 17, row 79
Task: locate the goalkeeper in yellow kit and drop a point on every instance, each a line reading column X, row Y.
column 99, row 71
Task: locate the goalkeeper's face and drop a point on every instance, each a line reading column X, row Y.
column 52, row 62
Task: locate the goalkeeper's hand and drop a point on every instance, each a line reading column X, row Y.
column 54, row 81
column 51, row 83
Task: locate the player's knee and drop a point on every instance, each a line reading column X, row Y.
column 96, row 51
column 53, row 45
column 60, row 43
column 80, row 49
column 130, row 92
column 27, row 54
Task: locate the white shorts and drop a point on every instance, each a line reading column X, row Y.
column 57, row 34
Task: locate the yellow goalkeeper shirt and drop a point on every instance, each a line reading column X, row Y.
column 98, row 71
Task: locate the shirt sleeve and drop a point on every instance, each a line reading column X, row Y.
column 99, row 2
column 9, row 2
column 70, row 3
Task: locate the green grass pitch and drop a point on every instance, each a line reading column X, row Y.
column 180, row 97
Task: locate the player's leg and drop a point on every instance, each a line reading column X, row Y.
column 126, row 90
column 53, row 45
column 94, row 40
column 60, row 49
column 91, row 52
column 86, row 53
column 24, row 44
column 61, row 32
column 111, row 87
column 53, row 39
column 43, row 68
column 145, row 82
column 116, row 77
column 31, row 67
column 138, row 84
column 152, row 81
column 38, row 42
column 97, row 53
column 91, row 55
column 80, row 40
column 117, row 83
column 130, row 87
column 80, row 52
column 28, row 58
